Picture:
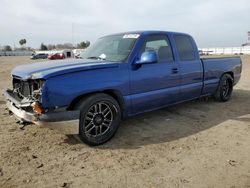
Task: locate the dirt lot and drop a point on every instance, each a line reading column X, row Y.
column 197, row 144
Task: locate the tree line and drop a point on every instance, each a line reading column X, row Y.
column 81, row 45
column 23, row 42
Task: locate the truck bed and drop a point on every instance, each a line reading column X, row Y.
column 214, row 67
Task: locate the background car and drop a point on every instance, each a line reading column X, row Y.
column 56, row 56
column 39, row 56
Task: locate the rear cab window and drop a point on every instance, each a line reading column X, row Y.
column 161, row 45
column 184, row 47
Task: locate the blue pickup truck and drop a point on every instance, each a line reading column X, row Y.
column 119, row 76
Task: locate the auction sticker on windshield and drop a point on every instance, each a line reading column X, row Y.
column 131, row 36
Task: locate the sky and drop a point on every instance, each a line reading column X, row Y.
column 212, row 23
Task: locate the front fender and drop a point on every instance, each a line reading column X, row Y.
column 61, row 90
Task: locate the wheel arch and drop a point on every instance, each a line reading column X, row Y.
column 111, row 92
column 230, row 73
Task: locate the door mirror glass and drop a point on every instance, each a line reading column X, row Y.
column 148, row 57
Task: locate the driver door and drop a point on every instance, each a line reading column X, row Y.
column 157, row 84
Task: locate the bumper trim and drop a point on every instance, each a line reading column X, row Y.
column 8, row 94
column 21, row 114
column 15, row 106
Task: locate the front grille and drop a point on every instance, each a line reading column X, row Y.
column 27, row 89
column 22, row 88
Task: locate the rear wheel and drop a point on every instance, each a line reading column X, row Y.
column 100, row 116
column 225, row 88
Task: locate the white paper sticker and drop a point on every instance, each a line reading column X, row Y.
column 131, row 36
column 102, row 56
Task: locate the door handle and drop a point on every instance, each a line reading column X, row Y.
column 175, row 70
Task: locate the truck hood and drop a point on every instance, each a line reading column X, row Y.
column 44, row 70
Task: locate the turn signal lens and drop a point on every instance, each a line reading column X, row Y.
column 37, row 108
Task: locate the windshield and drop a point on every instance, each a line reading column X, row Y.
column 111, row 48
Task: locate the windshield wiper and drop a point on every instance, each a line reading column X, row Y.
column 95, row 57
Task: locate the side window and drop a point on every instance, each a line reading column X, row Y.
column 160, row 44
column 184, row 47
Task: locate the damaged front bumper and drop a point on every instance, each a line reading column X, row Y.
column 17, row 108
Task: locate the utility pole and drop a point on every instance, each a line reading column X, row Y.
column 72, row 33
column 248, row 37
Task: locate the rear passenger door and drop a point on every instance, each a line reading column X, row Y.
column 155, row 85
column 191, row 70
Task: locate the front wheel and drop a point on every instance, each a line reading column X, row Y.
column 100, row 116
column 225, row 88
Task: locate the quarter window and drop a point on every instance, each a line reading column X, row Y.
column 184, row 47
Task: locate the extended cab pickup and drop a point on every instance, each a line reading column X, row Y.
column 119, row 76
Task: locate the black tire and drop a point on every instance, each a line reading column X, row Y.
column 100, row 116
column 225, row 88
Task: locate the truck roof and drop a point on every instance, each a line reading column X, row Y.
column 148, row 32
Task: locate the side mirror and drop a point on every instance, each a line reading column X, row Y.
column 147, row 57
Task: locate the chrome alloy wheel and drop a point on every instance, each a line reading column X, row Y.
column 226, row 88
column 98, row 119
